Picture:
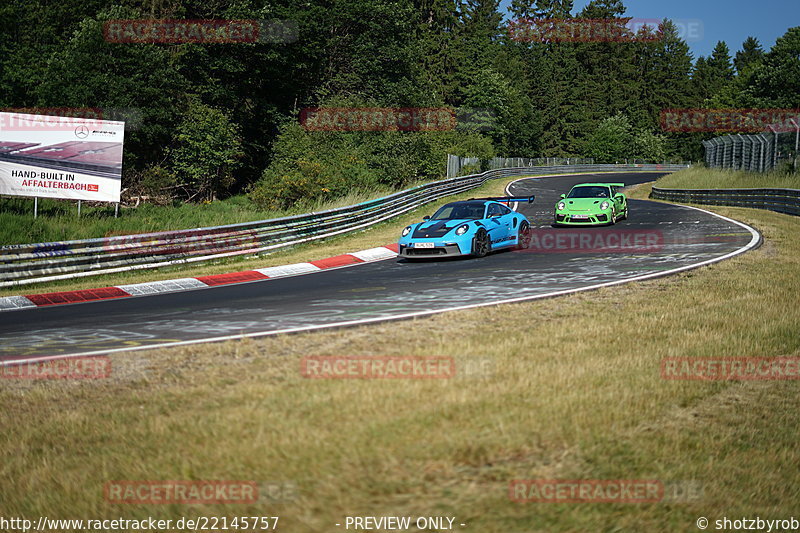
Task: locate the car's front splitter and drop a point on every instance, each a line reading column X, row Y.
column 593, row 219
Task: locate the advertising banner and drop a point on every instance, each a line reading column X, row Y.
column 67, row 157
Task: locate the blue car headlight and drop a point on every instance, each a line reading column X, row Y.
column 604, row 206
column 406, row 230
column 461, row 230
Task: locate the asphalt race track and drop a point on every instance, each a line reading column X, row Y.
column 661, row 239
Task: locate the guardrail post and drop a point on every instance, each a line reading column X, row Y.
column 723, row 152
column 796, row 141
column 739, row 151
column 762, row 151
column 775, row 151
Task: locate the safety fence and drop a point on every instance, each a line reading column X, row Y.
column 40, row 262
column 756, row 153
column 511, row 162
column 780, row 200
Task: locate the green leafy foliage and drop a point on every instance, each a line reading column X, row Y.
column 312, row 166
column 207, row 150
column 611, row 140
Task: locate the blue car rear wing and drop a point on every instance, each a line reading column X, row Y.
column 528, row 199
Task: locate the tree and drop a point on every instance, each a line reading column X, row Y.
column 711, row 75
column 368, row 50
column 648, row 146
column 207, row 150
column 664, row 75
column 541, row 8
column 720, row 62
column 776, row 81
column 480, row 39
column 515, row 130
column 611, row 141
column 606, row 76
column 439, row 53
column 750, row 54
column 89, row 72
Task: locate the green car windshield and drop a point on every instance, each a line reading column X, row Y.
column 589, row 192
column 459, row 211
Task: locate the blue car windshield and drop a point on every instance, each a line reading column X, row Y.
column 588, row 192
column 459, row 211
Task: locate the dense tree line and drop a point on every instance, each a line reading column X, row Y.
column 209, row 120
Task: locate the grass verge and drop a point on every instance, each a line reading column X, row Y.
column 567, row 388
column 705, row 178
column 58, row 219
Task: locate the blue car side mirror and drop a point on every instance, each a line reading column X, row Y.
column 426, row 217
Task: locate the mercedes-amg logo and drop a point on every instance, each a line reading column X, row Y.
column 81, row 132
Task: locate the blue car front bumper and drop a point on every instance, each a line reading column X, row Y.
column 443, row 248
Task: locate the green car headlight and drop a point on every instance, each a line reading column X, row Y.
column 406, row 230
column 561, row 205
column 462, row 229
column 604, row 206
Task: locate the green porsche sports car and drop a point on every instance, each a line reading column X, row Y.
column 589, row 204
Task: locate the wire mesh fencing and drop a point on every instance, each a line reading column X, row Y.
column 774, row 149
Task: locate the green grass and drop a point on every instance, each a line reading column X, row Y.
column 704, row 178
column 59, row 221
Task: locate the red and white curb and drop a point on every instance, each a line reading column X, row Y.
column 13, row 303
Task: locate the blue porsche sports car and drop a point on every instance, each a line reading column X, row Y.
column 468, row 227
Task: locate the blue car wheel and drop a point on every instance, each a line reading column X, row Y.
column 523, row 236
column 480, row 244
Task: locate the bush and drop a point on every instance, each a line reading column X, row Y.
column 310, row 166
column 207, row 150
column 615, row 140
column 611, row 141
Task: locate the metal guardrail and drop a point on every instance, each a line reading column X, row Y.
column 33, row 263
column 780, row 200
